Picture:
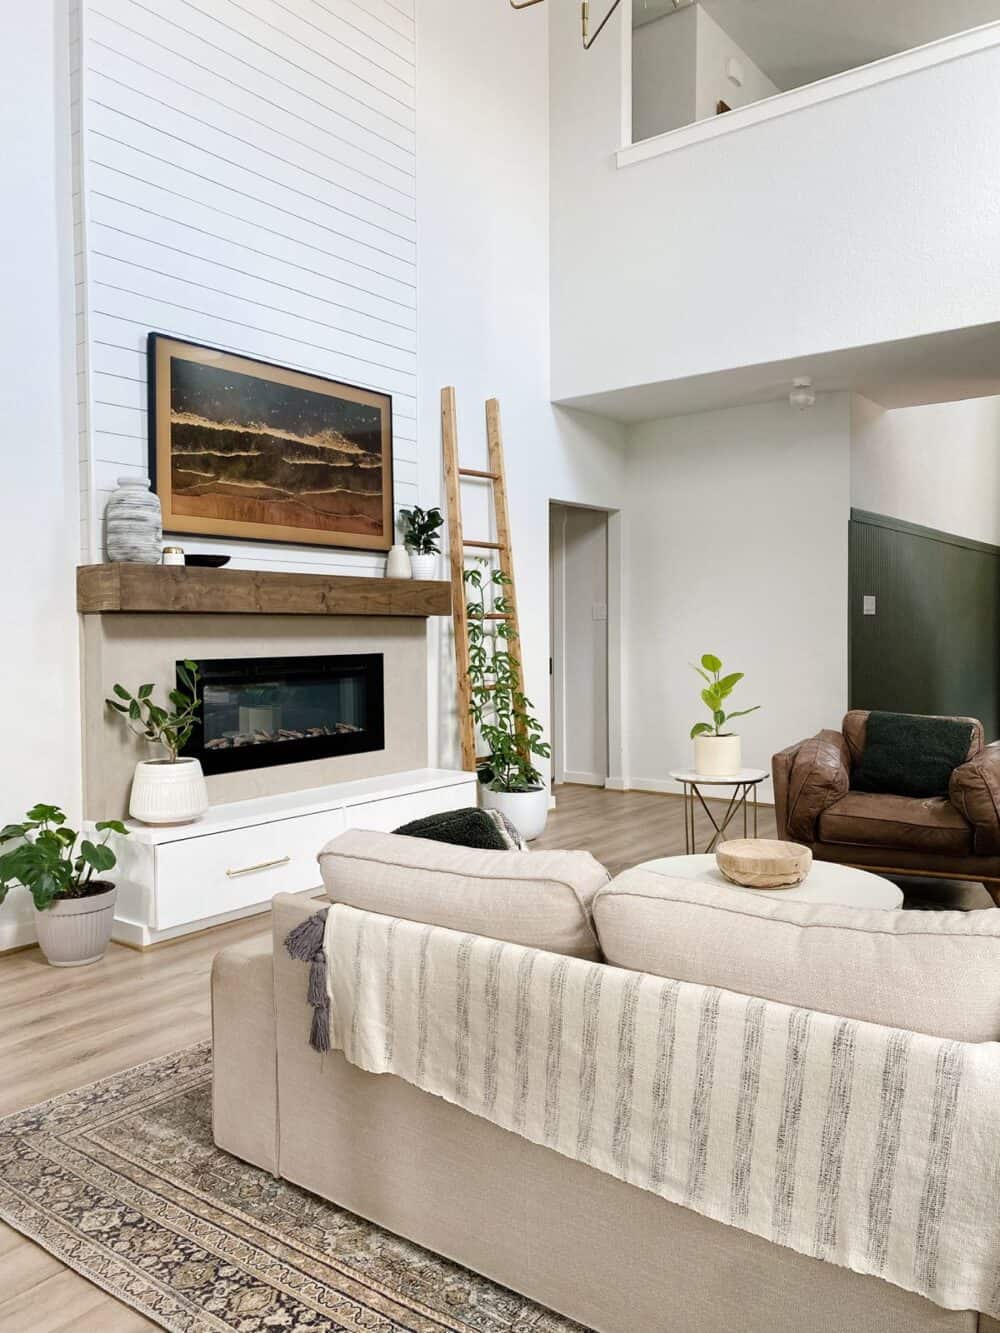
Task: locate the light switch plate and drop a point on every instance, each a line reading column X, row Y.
column 599, row 611
column 868, row 603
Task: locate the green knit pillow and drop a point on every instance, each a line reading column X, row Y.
column 909, row 755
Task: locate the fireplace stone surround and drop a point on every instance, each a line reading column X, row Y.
column 137, row 647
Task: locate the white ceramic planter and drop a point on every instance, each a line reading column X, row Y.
column 717, row 756
column 422, row 566
column 166, row 793
column 75, row 931
column 526, row 810
column 397, row 565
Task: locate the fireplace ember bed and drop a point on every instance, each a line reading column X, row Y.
column 260, row 711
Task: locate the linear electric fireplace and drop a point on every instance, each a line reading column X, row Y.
column 260, row 711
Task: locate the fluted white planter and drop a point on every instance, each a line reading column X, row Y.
column 166, row 793
column 422, row 566
column 75, row 931
column 717, row 756
column 526, row 810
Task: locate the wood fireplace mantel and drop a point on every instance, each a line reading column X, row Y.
column 110, row 588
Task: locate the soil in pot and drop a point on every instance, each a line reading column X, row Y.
column 76, row 931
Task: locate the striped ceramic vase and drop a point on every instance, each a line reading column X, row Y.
column 133, row 523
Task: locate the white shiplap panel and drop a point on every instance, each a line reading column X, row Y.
column 247, row 174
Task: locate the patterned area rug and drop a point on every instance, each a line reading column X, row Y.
column 122, row 1182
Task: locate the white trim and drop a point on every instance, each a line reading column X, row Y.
column 665, row 787
column 824, row 90
column 584, row 779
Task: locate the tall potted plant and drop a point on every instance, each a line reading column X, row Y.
column 170, row 790
column 74, row 911
column 509, row 780
column 421, row 529
column 717, row 752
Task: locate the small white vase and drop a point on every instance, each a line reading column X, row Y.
column 526, row 810
column 133, row 523
column 166, row 793
column 75, row 931
column 717, row 756
column 422, row 566
column 397, row 566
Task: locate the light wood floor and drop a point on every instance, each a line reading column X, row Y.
column 62, row 1028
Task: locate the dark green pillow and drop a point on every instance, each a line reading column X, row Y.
column 909, row 755
column 462, row 828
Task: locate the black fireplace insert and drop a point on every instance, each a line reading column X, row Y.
column 260, row 711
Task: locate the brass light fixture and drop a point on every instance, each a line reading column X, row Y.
column 589, row 38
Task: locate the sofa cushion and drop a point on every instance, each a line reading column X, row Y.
column 468, row 827
column 540, row 899
column 855, row 730
column 932, row 972
column 877, row 820
column 910, row 755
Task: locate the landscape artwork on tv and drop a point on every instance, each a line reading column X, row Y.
column 241, row 448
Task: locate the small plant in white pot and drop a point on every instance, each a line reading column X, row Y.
column 509, row 781
column 170, row 790
column 717, row 752
column 74, row 911
column 421, row 528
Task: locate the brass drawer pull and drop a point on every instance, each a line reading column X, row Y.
column 264, row 865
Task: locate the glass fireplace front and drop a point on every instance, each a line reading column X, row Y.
column 260, row 711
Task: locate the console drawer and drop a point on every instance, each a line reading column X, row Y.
column 384, row 815
column 222, row 872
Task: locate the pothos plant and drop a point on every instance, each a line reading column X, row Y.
column 47, row 861
column 499, row 707
column 421, row 530
column 170, row 728
column 717, row 690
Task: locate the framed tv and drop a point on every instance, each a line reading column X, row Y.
column 245, row 449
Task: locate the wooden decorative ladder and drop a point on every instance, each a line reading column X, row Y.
column 459, row 544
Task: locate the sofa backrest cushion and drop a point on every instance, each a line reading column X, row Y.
column 855, row 729
column 931, row 972
column 540, row 899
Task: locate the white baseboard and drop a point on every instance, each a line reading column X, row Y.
column 667, row 787
column 585, row 779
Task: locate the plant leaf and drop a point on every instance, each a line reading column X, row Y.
column 710, row 662
column 701, row 729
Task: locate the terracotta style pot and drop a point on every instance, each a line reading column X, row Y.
column 76, row 931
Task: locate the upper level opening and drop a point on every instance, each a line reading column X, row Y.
column 699, row 65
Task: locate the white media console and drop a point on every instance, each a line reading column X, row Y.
column 230, row 863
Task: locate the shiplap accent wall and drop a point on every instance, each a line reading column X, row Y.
column 248, row 181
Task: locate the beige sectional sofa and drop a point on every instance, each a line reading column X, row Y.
column 614, row 1257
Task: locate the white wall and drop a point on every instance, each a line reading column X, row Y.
column 579, row 548
column 710, row 257
column 736, row 544
column 248, row 182
column 39, row 521
column 715, row 49
column 938, row 465
column 483, row 266
column 664, row 73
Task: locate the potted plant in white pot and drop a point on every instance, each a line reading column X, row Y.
column 74, row 911
column 509, row 781
column 421, row 537
column 170, row 790
column 717, row 753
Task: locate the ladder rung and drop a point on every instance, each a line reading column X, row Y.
column 474, row 472
column 494, row 615
column 484, row 546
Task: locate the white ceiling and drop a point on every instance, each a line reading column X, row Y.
column 798, row 41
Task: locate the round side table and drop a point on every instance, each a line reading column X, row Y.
column 826, row 882
column 744, row 786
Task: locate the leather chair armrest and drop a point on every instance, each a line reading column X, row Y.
column 974, row 791
column 820, row 775
column 781, row 768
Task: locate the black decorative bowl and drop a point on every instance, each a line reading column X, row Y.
column 208, row 561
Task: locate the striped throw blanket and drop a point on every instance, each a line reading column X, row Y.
column 869, row 1147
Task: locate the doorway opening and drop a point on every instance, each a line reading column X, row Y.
column 579, row 591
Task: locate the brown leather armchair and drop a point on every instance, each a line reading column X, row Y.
column 948, row 837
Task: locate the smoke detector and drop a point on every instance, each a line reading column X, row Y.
column 803, row 394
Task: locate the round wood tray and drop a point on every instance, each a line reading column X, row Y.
column 763, row 863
